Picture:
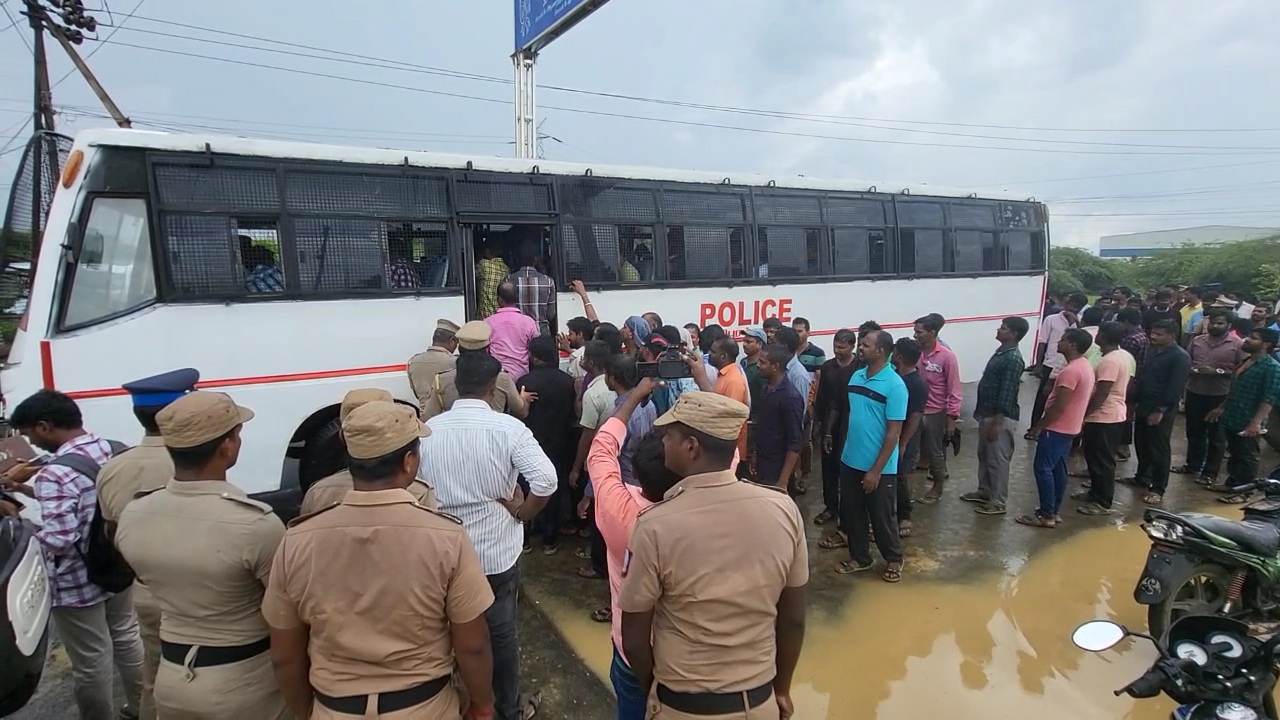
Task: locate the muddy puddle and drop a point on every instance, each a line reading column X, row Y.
column 996, row 645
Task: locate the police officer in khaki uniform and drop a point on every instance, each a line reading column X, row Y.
column 710, row 572
column 425, row 366
column 474, row 337
column 331, row 490
column 370, row 601
column 204, row 548
column 144, row 469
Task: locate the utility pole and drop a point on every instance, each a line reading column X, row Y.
column 68, row 29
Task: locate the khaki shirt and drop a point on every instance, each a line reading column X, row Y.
column 710, row 561
column 423, row 369
column 506, row 398
column 331, row 491
column 204, row 549
column 144, row 469
column 379, row 579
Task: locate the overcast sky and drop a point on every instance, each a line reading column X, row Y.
column 1060, row 77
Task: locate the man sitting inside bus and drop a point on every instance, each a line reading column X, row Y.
column 260, row 264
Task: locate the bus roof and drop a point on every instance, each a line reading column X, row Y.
column 223, row 144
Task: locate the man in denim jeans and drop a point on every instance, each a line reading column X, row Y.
column 1062, row 421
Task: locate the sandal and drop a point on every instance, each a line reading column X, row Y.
column 891, row 574
column 929, row 498
column 849, row 567
column 1093, row 509
column 1153, row 498
column 602, row 615
column 1182, row 470
column 529, row 705
column 1081, row 496
column 582, row 554
column 904, row 529
column 1028, row 435
column 823, row 518
column 1236, row 499
column 589, row 574
column 1036, row 521
column 834, row 541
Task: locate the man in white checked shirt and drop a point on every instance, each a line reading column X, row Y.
column 473, row 458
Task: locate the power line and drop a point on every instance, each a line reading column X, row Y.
column 407, row 67
column 102, row 43
column 635, row 98
column 673, row 121
column 1173, row 193
column 13, row 22
column 1136, row 173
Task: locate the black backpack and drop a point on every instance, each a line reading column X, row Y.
column 107, row 567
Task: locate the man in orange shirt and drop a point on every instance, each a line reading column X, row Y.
column 731, row 382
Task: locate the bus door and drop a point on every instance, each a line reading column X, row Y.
column 508, row 242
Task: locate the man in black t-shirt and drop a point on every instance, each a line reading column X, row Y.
column 831, row 414
column 552, row 422
column 906, row 354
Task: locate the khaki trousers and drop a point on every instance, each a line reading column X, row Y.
column 144, row 603
column 99, row 640
column 245, row 690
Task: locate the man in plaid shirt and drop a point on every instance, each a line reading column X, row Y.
column 97, row 629
column 537, row 291
column 490, row 272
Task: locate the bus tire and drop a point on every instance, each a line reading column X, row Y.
column 323, row 455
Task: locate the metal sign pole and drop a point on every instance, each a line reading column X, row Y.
column 526, row 107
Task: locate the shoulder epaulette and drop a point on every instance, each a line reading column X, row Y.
column 303, row 518
column 673, row 493
column 774, row 488
column 440, row 513
column 249, row 502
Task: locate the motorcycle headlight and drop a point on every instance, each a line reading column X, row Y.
column 1161, row 530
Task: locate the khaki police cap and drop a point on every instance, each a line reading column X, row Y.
column 716, row 415
column 473, row 336
column 198, row 417
column 447, row 325
column 360, row 396
column 381, row 427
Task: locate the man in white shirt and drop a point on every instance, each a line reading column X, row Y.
column 1049, row 362
column 473, row 458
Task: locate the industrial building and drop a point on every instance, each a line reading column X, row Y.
column 1143, row 244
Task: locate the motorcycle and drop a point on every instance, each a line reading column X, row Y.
column 24, row 611
column 1201, row 564
column 1210, row 665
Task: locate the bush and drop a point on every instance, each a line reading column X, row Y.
column 1249, row 266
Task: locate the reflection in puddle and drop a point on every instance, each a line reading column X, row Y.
column 997, row 646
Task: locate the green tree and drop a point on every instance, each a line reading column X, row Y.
column 1072, row 269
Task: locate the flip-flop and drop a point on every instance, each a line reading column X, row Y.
column 847, row 567
column 1036, row 521
column 589, row 574
column 602, row 615
column 904, row 530
column 1153, row 498
column 1236, row 499
column 529, row 705
column 833, row 542
column 929, row 499
column 891, row 575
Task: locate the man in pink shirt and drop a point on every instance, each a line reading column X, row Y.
column 617, row 505
column 1104, row 420
column 941, row 372
column 1062, row 421
column 510, row 332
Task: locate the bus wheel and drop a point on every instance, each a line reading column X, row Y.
column 322, row 456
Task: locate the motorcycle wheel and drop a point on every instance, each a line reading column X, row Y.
column 1202, row 591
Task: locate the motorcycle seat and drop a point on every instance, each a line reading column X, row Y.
column 1256, row 537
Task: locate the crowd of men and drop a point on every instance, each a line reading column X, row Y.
column 394, row 593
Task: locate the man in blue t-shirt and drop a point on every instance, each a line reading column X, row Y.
column 869, row 464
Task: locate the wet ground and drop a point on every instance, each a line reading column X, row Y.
column 979, row 627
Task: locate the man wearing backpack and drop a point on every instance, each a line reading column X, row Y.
column 98, row 628
column 144, row 469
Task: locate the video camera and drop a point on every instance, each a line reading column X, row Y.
column 670, row 365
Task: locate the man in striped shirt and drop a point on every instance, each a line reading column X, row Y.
column 472, row 458
column 98, row 630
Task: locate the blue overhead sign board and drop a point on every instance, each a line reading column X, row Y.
column 538, row 22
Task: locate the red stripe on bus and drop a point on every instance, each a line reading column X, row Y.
column 47, row 366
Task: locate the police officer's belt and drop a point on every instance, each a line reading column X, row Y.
column 208, row 656
column 388, row 702
column 706, row 703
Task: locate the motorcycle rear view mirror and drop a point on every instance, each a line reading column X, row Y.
column 1098, row 635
